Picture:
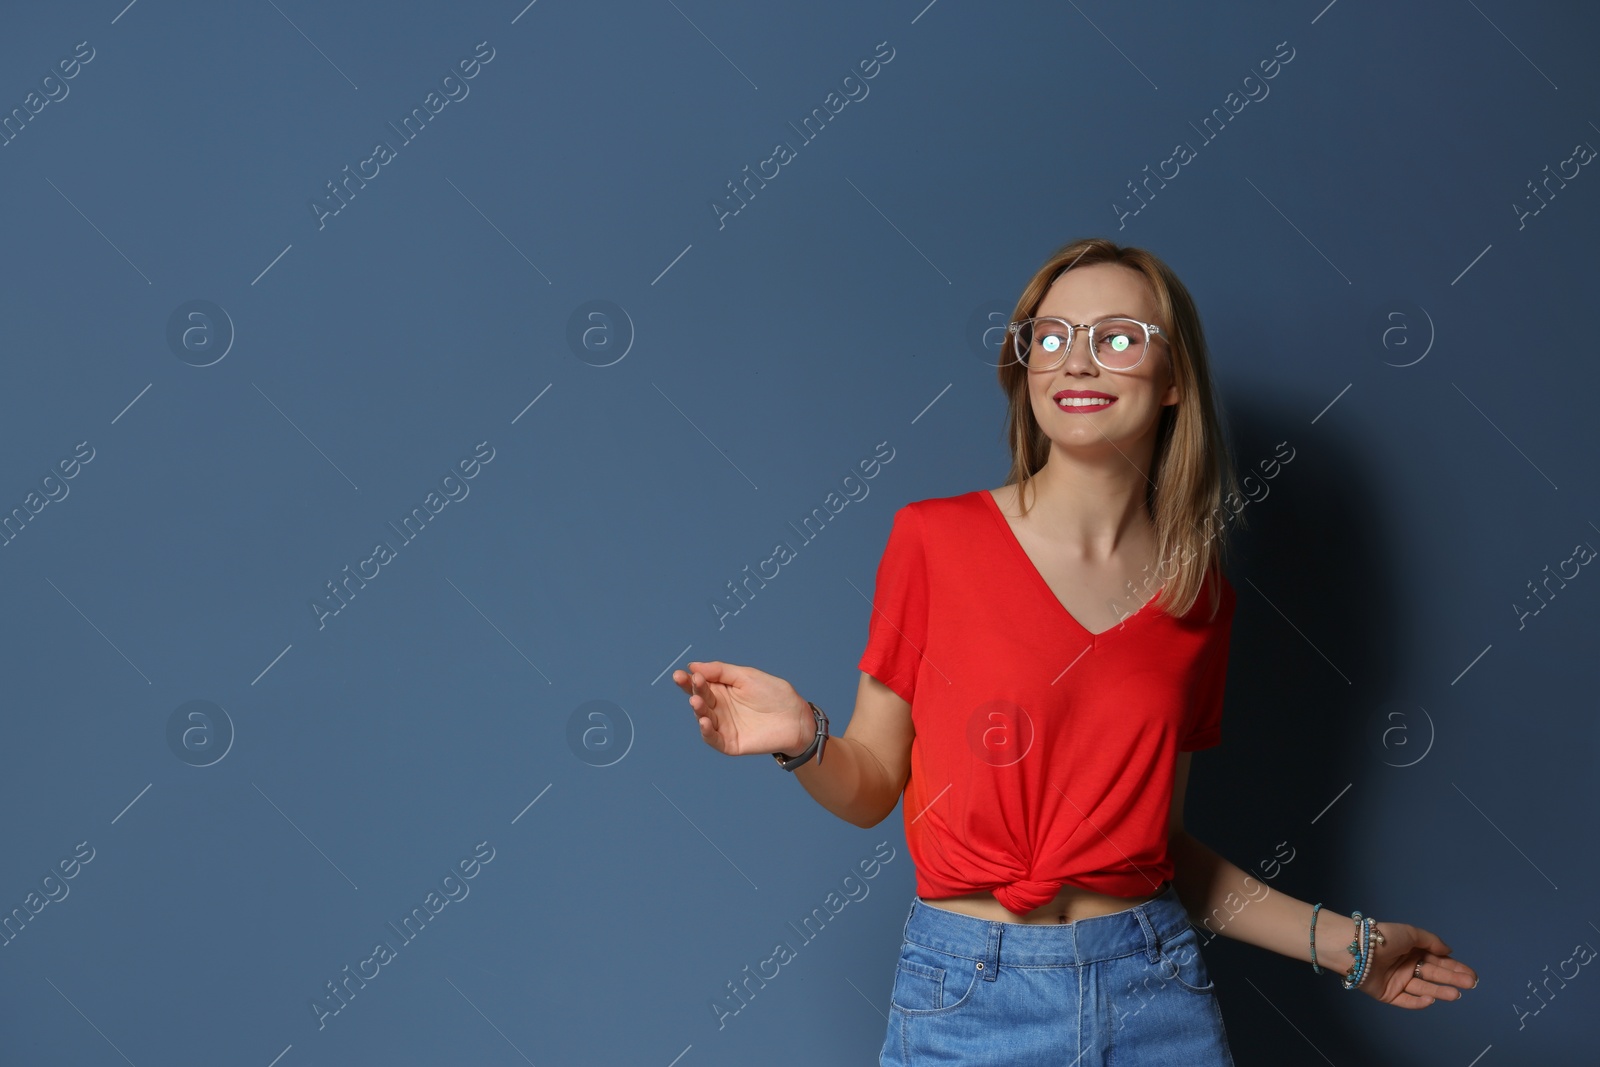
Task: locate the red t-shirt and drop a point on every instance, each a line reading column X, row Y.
column 1044, row 754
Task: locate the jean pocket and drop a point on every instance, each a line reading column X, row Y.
column 1182, row 964
column 929, row 982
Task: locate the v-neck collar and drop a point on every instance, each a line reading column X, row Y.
column 1026, row 561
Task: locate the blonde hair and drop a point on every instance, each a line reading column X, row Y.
column 1191, row 471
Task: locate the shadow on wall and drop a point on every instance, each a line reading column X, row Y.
column 1309, row 657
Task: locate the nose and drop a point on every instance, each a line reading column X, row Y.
column 1087, row 360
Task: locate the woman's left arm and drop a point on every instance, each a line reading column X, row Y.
column 1222, row 898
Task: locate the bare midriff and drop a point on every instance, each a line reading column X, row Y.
column 1070, row 905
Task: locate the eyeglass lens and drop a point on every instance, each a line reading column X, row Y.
column 1042, row 342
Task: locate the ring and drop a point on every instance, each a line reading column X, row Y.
column 1417, row 970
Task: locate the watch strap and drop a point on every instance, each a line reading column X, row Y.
column 818, row 742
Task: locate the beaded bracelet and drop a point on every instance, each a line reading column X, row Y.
column 1358, row 949
column 1366, row 935
column 1314, row 968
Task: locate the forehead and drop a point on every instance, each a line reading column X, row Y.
column 1088, row 293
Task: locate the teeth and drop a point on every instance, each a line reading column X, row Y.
column 1082, row 401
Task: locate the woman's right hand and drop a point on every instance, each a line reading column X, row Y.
column 742, row 710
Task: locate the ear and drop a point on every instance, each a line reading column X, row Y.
column 1170, row 395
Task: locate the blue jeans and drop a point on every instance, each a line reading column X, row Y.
column 1127, row 989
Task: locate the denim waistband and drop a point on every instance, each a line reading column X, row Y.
column 1140, row 928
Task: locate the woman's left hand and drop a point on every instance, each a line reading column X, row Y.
column 1392, row 975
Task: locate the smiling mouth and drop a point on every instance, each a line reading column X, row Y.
column 1084, row 403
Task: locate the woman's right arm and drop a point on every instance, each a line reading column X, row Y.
column 744, row 711
column 864, row 770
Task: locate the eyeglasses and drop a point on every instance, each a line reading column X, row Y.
column 1042, row 343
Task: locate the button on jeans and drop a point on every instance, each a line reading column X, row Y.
column 1129, row 989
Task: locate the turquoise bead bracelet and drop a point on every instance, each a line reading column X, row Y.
column 1366, row 935
column 1314, row 968
column 1358, row 947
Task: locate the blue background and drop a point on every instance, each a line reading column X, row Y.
column 1426, row 755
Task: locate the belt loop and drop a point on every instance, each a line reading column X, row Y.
column 1152, row 941
column 991, row 953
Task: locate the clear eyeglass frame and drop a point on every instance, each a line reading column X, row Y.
column 1015, row 330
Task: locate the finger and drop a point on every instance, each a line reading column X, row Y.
column 1439, row 979
column 695, row 685
column 1454, row 972
column 704, row 707
column 1411, row 1000
column 1440, row 992
column 710, row 735
column 718, row 671
column 1434, row 965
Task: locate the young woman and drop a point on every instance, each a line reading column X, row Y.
column 1039, row 668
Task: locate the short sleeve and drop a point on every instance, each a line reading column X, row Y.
column 1205, row 720
column 898, row 629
